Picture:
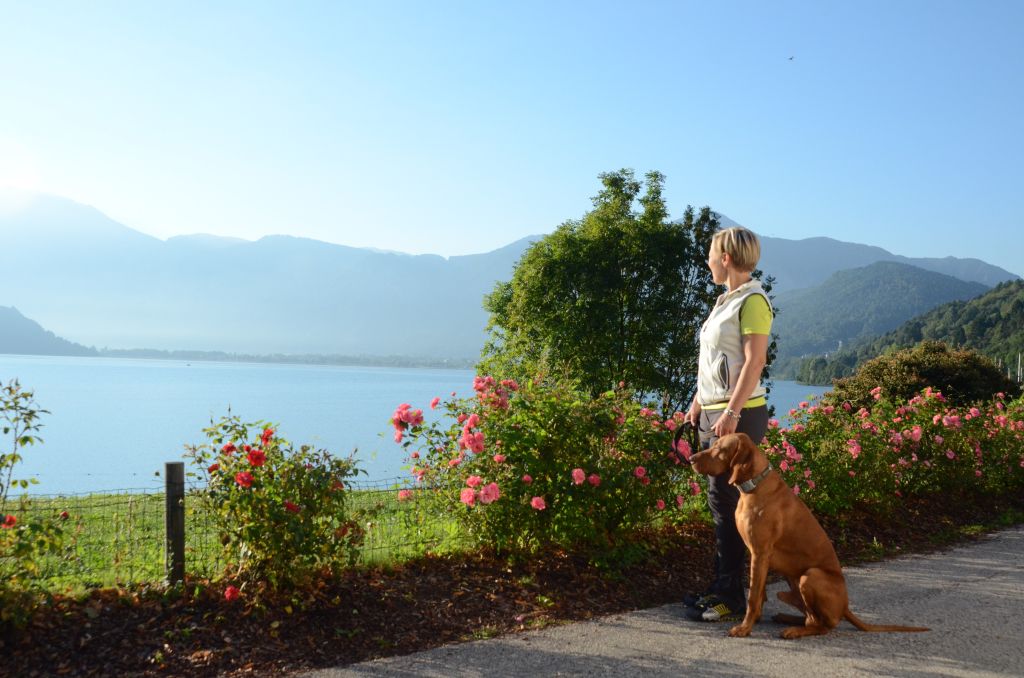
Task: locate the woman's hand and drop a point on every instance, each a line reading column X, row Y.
column 725, row 425
column 693, row 415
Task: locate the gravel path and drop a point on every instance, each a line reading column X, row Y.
column 972, row 598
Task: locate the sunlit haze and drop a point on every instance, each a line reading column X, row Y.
column 459, row 127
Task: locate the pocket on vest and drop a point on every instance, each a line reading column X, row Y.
column 721, row 373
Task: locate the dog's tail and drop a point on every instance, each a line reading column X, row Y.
column 876, row 628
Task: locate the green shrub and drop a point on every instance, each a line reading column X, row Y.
column 545, row 465
column 963, row 376
column 280, row 511
column 24, row 539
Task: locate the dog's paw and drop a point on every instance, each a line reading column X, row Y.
column 739, row 631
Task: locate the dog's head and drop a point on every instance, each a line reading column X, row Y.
column 733, row 453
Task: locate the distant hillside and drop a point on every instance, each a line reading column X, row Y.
column 859, row 303
column 992, row 324
column 19, row 335
column 87, row 277
column 798, row 264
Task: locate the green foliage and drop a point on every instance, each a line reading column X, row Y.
column 992, row 324
column 545, row 464
column 618, row 295
column 964, row 376
column 280, row 511
column 24, row 540
column 840, row 457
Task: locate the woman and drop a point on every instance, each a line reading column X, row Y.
column 733, row 351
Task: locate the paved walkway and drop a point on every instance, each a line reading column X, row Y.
column 972, row 598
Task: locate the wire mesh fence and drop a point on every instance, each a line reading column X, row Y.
column 109, row 538
column 396, row 530
column 118, row 537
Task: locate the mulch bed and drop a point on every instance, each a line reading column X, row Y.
column 419, row 605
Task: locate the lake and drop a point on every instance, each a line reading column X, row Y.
column 113, row 423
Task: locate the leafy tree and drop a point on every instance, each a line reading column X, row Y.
column 618, row 295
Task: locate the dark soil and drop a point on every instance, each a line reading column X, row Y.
column 372, row 613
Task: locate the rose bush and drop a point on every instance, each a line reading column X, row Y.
column 839, row 456
column 541, row 464
column 281, row 511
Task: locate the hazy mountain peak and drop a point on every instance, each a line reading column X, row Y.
column 206, row 240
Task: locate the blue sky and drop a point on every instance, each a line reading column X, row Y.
column 458, row 127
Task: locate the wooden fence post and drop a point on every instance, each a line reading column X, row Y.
column 174, row 502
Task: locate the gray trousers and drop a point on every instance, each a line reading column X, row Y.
column 730, row 551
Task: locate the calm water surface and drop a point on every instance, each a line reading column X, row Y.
column 113, row 423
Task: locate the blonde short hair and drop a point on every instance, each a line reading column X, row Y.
column 740, row 244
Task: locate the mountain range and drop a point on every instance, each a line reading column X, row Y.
column 100, row 283
column 991, row 324
column 861, row 302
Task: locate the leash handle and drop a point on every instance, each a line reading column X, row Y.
column 693, row 438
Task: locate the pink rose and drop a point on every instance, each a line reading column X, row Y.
column 639, row 471
column 434, row 402
column 468, row 496
column 854, row 447
column 660, row 504
column 489, row 493
column 578, row 476
column 499, row 458
column 684, row 449
column 474, row 481
column 594, row 479
column 538, row 503
column 527, row 478
column 404, row 495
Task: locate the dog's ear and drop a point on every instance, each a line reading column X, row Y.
column 742, row 461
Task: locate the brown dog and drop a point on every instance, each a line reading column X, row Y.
column 783, row 536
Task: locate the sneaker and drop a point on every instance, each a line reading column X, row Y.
column 718, row 610
column 712, row 608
